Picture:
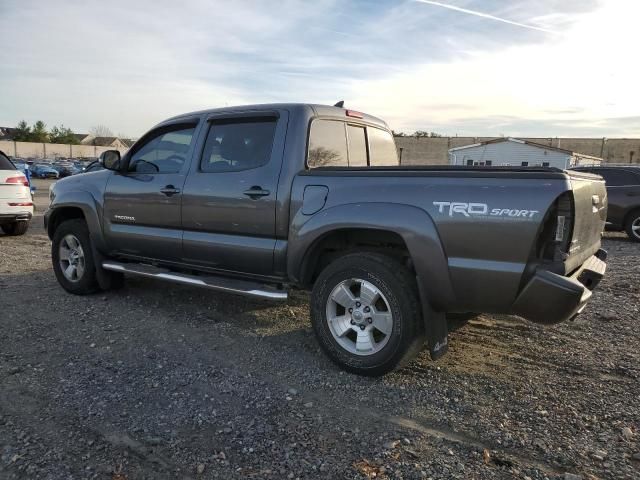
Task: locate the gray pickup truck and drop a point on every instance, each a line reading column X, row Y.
column 259, row 199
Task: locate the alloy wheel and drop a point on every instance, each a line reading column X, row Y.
column 359, row 317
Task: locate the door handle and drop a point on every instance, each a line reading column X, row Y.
column 256, row 192
column 169, row 190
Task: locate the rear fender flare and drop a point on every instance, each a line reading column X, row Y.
column 413, row 224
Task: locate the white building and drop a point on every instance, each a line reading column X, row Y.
column 516, row 152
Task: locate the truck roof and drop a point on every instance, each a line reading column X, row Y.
column 316, row 109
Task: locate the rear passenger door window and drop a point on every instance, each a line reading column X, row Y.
column 357, row 146
column 233, row 146
column 327, row 144
column 382, row 148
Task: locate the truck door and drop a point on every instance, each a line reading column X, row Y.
column 229, row 199
column 142, row 215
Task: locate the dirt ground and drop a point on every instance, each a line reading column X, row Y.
column 165, row 381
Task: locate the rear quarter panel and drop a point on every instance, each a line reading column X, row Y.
column 486, row 246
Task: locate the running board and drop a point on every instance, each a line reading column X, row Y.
column 222, row 284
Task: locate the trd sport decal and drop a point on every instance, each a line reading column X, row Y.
column 480, row 209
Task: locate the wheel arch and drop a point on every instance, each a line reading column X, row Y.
column 629, row 213
column 339, row 241
column 75, row 204
column 61, row 214
column 401, row 227
column 628, row 216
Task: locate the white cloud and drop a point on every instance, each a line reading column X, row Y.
column 131, row 64
column 584, row 76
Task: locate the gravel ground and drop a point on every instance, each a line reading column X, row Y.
column 164, row 381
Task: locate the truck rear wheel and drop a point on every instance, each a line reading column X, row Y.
column 366, row 313
column 633, row 226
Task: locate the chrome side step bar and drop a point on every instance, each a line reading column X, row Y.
column 222, row 284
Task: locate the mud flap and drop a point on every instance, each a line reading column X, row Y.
column 435, row 328
column 437, row 332
column 104, row 278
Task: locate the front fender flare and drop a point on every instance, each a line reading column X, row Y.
column 90, row 209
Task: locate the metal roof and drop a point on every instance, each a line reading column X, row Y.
column 526, row 142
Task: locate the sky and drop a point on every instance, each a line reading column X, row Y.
column 541, row 68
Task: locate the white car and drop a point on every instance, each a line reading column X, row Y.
column 16, row 202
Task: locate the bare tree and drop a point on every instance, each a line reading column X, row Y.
column 101, row 131
column 126, row 137
column 323, row 157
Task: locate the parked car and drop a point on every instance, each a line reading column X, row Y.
column 20, row 165
column 623, row 192
column 65, row 169
column 254, row 200
column 16, row 203
column 40, row 170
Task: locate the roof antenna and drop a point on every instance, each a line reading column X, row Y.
column 340, row 104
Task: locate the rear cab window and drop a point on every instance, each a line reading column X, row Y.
column 335, row 143
column 327, row 144
column 357, row 142
column 382, row 148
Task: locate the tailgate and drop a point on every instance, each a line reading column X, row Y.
column 590, row 214
column 12, row 190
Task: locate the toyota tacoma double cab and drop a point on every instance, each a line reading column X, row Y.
column 257, row 200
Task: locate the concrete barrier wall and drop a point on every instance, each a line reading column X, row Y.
column 51, row 150
column 434, row 151
column 414, row 150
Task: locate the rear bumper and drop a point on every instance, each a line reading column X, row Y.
column 15, row 217
column 551, row 298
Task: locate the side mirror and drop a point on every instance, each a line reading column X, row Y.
column 110, row 159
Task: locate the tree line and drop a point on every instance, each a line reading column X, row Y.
column 417, row 133
column 58, row 134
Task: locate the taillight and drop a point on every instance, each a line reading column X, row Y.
column 555, row 238
column 21, row 204
column 20, row 179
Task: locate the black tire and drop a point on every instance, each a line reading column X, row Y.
column 15, row 228
column 398, row 285
column 633, row 221
column 87, row 283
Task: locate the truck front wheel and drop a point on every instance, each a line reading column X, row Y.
column 366, row 313
column 72, row 257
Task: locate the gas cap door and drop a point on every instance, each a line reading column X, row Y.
column 314, row 198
